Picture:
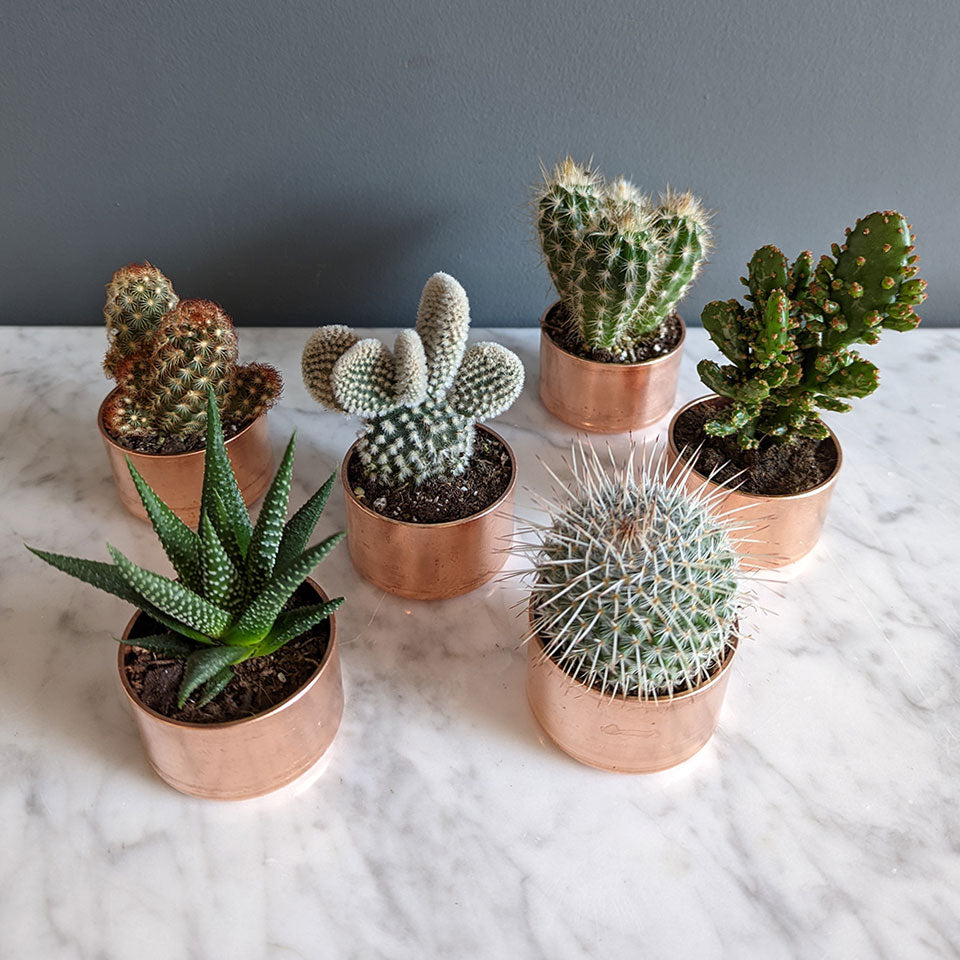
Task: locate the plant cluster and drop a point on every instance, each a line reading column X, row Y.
column 790, row 351
column 421, row 401
column 165, row 354
column 620, row 261
column 636, row 584
column 234, row 577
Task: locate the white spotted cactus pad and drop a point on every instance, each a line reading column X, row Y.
column 234, row 577
column 422, row 400
column 620, row 261
column 636, row 585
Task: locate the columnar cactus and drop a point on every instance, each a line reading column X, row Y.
column 137, row 297
column 790, row 351
column 636, row 583
column 620, row 262
column 422, row 401
column 163, row 383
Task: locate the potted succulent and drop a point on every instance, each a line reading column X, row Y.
column 232, row 671
column 636, row 593
column 163, row 353
column 790, row 356
column 429, row 491
column 610, row 346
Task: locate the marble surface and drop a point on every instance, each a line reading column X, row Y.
column 821, row 821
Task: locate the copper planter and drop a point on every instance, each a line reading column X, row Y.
column 429, row 561
column 625, row 735
column 606, row 397
column 177, row 478
column 244, row 758
column 775, row 529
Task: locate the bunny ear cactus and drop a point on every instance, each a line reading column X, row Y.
column 636, row 584
column 164, row 381
column 789, row 352
column 620, row 262
column 234, row 577
column 138, row 296
column 422, row 400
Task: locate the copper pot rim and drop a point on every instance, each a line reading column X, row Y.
column 729, row 655
column 492, row 508
column 651, row 362
column 225, row 724
column 160, row 456
column 781, row 497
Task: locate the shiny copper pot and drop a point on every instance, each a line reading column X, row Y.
column 429, row 561
column 244, row 758
column 777, row 529
column 177, row 478
column 606, row 397
column 626, row 735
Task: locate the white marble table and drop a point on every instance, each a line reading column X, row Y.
column 822, row 820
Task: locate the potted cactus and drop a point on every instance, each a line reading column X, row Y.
column 636, row 593
column 610, row 346
column 163, row 354
column 232, row 670
column 429, row 491
column 791, row 356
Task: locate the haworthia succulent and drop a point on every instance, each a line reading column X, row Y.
column 235, row 578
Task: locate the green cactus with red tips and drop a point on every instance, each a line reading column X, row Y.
column 790, row 351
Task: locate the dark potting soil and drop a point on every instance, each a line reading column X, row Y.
column 439, row 501
column 259, row 683
column 771, row 469
column 658, row 343
column 171, row 445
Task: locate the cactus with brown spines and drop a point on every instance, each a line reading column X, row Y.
column 620, row 261
column 138, row 296
column 422, row 400
column 163, row 382
column 790, row 350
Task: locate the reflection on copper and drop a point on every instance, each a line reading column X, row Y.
column 607, row 397
column 177, row 478
column 244, row 758
column 430, row 561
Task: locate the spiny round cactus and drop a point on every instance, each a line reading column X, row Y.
column 620, row 262
column 636, row 584
column 422, row 400
column 164, row 383
column 137, row 297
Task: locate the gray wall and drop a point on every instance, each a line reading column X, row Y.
column 310, row 162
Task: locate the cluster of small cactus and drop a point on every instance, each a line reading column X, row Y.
column 790, row 350
column 165, row 362
column 422, row 400
column 620, row 261
column 234, row 578
column 636, row 584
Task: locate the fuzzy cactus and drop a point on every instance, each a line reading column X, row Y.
column 636, row 584
column 422, row 400
column 619, row 261
column 138, row 296
column 790, row 350
column 163, row 384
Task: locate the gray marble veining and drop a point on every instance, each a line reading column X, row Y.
column 820, row 822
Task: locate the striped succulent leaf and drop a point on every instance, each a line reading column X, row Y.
column 235, row 579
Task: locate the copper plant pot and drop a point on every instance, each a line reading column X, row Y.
column 606, row 397
column 777, row 529
column 626, row 735
column 429, row 561
column 177, row 478
column 244, row 758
